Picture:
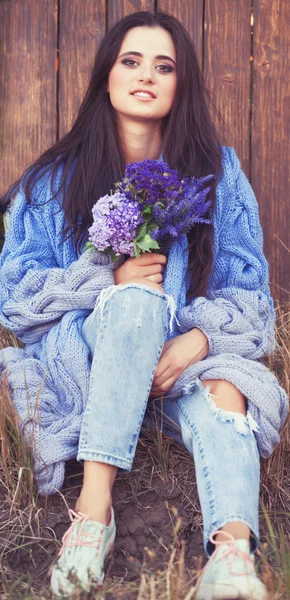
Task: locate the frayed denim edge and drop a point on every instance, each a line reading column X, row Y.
column 108, row 292
column 243, row 423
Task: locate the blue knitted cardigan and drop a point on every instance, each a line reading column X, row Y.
column 47, row 292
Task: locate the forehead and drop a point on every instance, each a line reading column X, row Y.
column 148, row 41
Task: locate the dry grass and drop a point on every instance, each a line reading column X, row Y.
column 23, row 515
column 16, row 456
column 170, row 583
column 19, row 481
column 275, row 476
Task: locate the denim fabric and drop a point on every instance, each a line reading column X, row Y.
column 126, row 333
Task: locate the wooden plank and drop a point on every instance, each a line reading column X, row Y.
column 270, row 136
column 227, row 47
column 28, row 37
column 81, row 27
column 190, row 14
column 120, row 8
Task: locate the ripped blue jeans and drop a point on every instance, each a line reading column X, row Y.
column 126, row 333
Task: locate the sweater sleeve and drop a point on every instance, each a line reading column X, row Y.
column 41, row 279
column 237, row 315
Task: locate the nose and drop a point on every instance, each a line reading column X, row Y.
column 146, row 74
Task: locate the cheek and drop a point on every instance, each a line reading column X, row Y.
column 115, row 82
column 171, row 91
column 111, row 82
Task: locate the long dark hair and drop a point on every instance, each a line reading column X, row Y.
column 91, row 150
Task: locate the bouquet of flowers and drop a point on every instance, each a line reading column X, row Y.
column 149, row 209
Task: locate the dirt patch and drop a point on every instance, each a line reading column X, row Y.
column 156, row 507
column 157, row 513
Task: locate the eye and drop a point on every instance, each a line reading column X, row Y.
column 165, row 68
column 129, row 62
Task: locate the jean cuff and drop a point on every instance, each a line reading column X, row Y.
column 109, row 459
column 254, row 536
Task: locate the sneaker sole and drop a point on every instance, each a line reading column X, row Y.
column 100, row 582
column 225, row 592
column 106, row 560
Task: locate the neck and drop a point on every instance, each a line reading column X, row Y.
column 140, row 141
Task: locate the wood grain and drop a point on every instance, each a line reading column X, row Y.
column 227, row 45
column 120, row 8
column 81, row 27
column 190, row 14
column 28, row 36
column 28, row 91
column 271, row 135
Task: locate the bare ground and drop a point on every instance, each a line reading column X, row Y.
column 158, row 518
column 156, row 508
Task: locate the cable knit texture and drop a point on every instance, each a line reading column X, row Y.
column 47, row 292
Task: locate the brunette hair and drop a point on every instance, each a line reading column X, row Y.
column 91, row 154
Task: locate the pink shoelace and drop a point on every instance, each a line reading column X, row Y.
column 78, row 540
column 231, row 551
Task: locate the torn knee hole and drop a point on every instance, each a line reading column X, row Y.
column 244, row 424
column 227, row 396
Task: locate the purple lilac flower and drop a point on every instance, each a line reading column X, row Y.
column 150, row 181
column 151, row 195
column 175, row 218
column 115, row 223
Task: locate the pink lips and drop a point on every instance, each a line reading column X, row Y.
column 145, row 92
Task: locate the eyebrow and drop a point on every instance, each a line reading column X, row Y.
column 160, row 56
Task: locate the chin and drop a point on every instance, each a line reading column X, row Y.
column 147, row 115
column 140, row 117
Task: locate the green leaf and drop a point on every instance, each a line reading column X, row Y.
column 142, row 231
column 147, row 244
column 136, row 249
column 89, row 246
column 147, row 211
column 151, row 227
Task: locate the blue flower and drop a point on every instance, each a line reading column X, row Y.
column 150, row 209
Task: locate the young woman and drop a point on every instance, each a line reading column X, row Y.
column 185, row 330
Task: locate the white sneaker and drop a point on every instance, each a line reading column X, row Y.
column 81, row 558
column 230, row 572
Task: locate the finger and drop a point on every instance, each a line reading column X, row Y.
column 158, row 278
column 163, row 368
column 166, row 386
column 150, row 258
column 155, row 394
column 151, row 269
column 160, row 378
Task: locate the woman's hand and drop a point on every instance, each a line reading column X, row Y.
column 149, row 266
column 177, row 355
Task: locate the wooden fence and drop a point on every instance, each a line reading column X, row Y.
column 46, row 51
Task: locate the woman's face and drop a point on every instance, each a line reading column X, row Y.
column 142, row 82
